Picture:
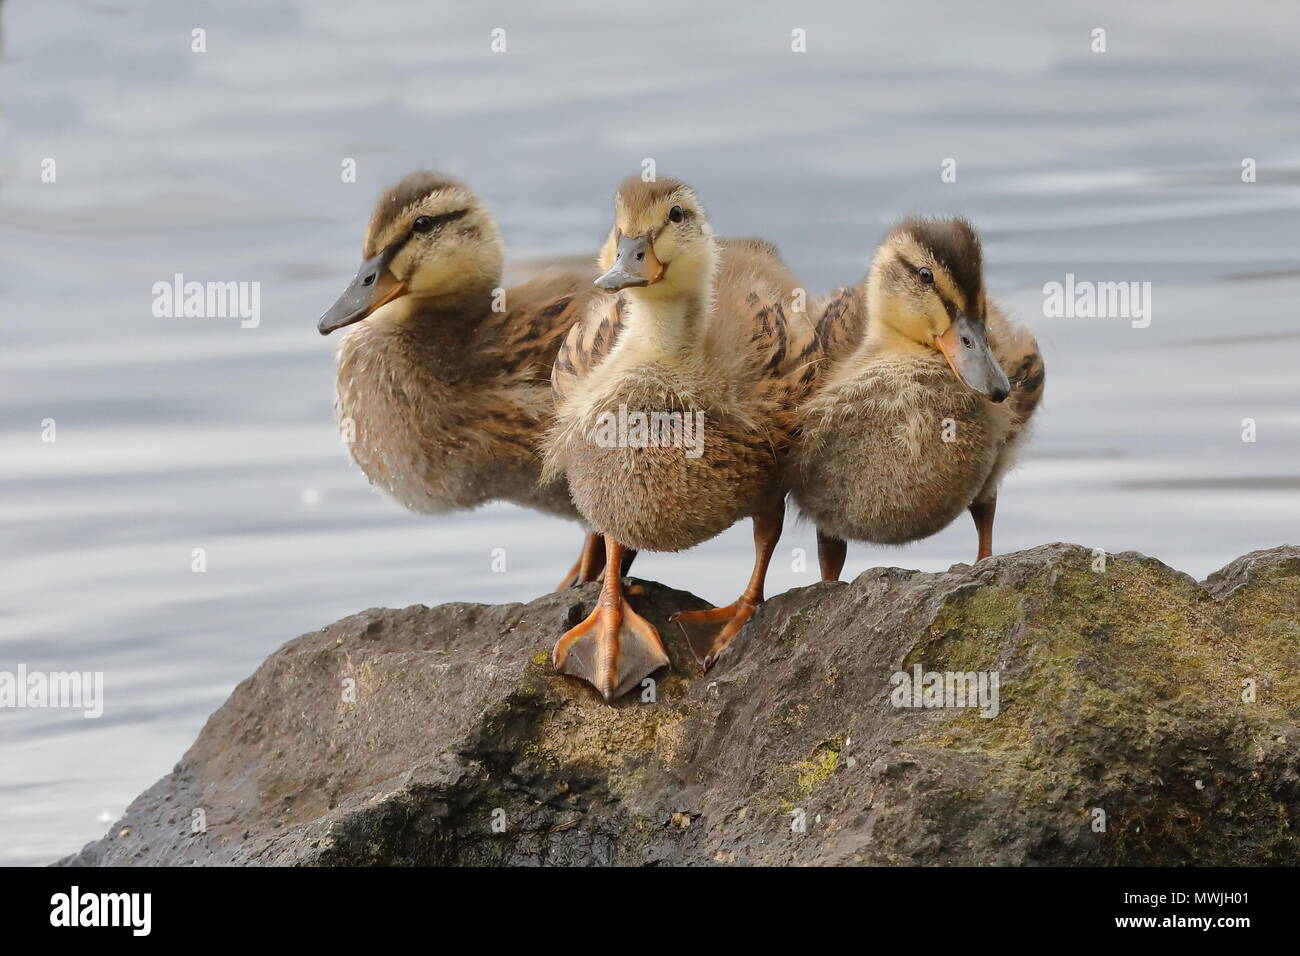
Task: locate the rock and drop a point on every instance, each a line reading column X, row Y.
column 1141, row 719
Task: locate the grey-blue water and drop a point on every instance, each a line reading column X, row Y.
column 181, row 434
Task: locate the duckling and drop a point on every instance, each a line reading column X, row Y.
column 443, row 380
column 924, row 416
column 703, row 334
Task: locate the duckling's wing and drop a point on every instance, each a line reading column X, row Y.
column 801, row 345
column 1016, row 350
column 587, row 343
column 794, row 335
column 842, row 323
column 761, row 338
column 816, row 337
column 538, row 314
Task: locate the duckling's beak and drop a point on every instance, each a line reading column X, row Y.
column 634, row 265
column 374, row 285
column 966, row 347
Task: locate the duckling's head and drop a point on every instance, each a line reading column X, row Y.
column 661, row 243
column 927, row 284
column 430, row 239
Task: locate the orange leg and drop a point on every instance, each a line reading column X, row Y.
column 709, row 632
column 591, row 561
column 831, row 552
column 982, row 512
column 615, row 647
column 588, row 566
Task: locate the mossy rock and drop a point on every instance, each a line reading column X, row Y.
column 1140, row 718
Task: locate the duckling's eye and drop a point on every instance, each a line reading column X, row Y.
column 926, row 275
column 675, row 214
column 422, row 223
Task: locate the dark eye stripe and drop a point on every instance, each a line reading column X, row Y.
column 445, row 218
column 908, row 269
column 949, row 307
column 915, row 269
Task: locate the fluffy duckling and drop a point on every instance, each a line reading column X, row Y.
column 443, row 379
column 921, row 420
column 704, row 340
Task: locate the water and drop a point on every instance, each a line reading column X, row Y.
column 177, row 434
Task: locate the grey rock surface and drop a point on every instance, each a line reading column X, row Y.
column 1142, row 719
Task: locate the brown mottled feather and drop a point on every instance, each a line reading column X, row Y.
column 587, row 343
column 1017, row 352
column 842, row 323
column 449, row 410
column 529, row 335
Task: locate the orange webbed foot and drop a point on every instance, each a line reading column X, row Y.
column 709, row 632
column 614, row 649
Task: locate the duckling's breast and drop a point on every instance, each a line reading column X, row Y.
column 895, row 451
column 660, row 468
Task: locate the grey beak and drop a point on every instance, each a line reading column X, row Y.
column 634, row 265
column 966, row 346
column 372, row 286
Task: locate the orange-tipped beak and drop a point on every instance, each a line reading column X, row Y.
column 947, row 344
column 966, row 347
column 373, row 285
column 635, row 265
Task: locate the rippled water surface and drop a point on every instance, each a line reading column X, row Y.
column 177, row 434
